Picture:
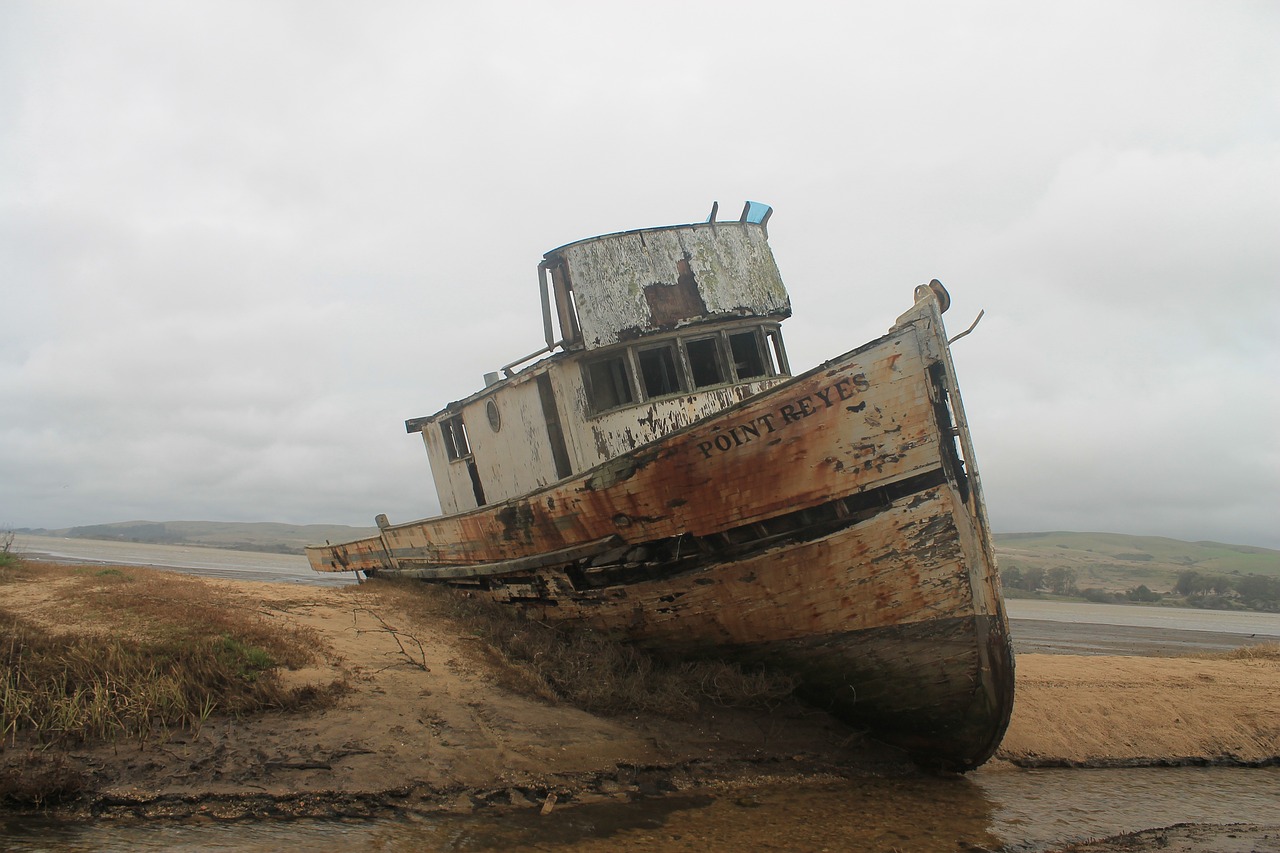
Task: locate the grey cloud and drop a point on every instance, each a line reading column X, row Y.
column 242, row 244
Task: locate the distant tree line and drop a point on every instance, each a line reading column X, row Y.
column 1253, row 592
column 1257, row 592
column 1140, row 593
column 1059, row 580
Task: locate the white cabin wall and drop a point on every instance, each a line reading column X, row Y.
column 442, row 470
column 571, row 400
column 517, row 458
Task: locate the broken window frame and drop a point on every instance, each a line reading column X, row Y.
column 775, row 352
column 674, row 378
column 768, row 341
column 758, row 351
column 723, row 376
column 456, row 445
column 614, row 381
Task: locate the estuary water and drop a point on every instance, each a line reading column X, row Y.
column 192, row 559
column 1072, row 628
column 993, row 808
column 990, row 809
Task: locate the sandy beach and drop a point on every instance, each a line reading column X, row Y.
column 428, row 722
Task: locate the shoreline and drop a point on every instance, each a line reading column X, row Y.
column 451, row 728
column 45, row 548
column 452, row 737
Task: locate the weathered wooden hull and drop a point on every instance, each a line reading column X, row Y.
column 826, row 526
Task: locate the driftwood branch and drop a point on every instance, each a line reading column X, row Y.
column 420, row 660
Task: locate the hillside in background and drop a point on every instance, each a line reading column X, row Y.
column 1114, row 568
column 237, row 536
column 1115, row 561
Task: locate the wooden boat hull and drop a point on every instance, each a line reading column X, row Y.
column 826, row 526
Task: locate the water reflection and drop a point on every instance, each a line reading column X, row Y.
column 915, row 814
column 994, row 808
column 1036, row 808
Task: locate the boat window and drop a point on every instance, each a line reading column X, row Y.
column 748, row 358
column 776, row 353
column 659, row 371
column 705, row 362
column 455, row 438
column 609, row 383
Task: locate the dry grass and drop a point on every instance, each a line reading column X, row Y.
column 581, row 666
column 1261, row 651
column 129, row 653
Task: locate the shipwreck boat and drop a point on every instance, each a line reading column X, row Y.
column 656, row 472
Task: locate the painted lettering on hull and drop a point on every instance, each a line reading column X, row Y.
column 828, row 397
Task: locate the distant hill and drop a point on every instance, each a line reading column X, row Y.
column 239, row 536
column 1115, row 561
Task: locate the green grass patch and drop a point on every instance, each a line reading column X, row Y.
column 7, row 556
column 249, row 662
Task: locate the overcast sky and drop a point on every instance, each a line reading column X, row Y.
column 242, row 242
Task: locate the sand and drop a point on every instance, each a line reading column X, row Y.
column 432, row 727
column 1112, row 710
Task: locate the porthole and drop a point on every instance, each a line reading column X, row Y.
column 495, row 417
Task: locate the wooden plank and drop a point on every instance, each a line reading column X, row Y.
column 519, row 564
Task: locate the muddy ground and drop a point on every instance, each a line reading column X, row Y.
column 432, row 724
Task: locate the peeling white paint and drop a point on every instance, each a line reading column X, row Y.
column 731, row 264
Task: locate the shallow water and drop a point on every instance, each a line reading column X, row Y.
column 1164, row 618
column 193, row 559
column 993, row 808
